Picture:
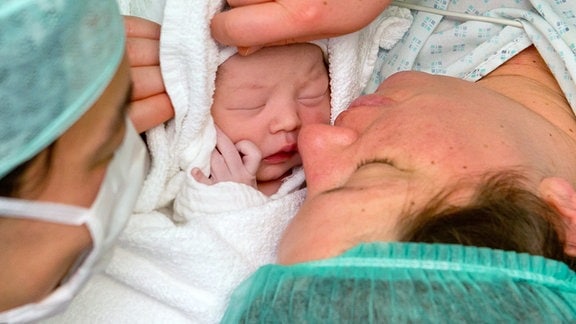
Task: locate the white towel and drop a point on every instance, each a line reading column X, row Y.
column 189, row 63
column 186, row 248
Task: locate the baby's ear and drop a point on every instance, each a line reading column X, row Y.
column 560, row 194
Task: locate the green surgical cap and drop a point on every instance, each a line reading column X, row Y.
column 56, row 59
column 410, row 283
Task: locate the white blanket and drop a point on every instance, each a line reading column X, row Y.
column 175, row 265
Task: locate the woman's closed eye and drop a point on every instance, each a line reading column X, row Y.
column 384, row 161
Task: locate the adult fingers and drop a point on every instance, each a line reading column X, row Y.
column 146, row 82
column 150, row 112
column 142, row 41
column 260, row 24
column 141, row 28
column 289, row 21
column 143, row 51
column 151, row 105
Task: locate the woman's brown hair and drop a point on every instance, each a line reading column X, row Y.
column 501, row 215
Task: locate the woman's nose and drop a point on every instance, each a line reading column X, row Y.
column 322, row 137
column 326, row 153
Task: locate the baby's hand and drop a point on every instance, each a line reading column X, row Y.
column 231, row 162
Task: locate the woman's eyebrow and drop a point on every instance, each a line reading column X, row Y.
column 127, row 100
column 124, row 107
column 116, row 122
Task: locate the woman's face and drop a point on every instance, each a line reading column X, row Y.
column 390, row 152
column 78, row 160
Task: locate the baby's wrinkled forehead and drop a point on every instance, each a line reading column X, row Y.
column 228, row 51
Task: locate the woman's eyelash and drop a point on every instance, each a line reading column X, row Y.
column 378, row 160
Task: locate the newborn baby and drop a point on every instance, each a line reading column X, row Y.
column 260, row 103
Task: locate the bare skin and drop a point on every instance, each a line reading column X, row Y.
column 526, row 74
column 252, row 24
column 151, row 105
column 264, row 99
column 397, row 148
column 519, row 79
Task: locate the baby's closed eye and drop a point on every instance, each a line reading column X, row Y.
column 313, row 98
column 248, row 106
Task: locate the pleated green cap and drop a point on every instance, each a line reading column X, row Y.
column 56, row 58
column 410, row 283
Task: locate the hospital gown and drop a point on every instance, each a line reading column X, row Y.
column 444, row 45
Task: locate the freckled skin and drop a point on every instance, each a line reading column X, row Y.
column 434, row 129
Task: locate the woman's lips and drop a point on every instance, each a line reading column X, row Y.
column 285, row 154
column 371, row 100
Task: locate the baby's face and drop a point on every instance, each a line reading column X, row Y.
column 266, row 98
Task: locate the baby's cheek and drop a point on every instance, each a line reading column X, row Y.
column 318, row 115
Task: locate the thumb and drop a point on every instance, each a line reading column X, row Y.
column 251, row 155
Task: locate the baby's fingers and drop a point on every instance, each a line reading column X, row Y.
column 224, row 145
column 219, row 169
column 251, row 155
column 231, row 155
column 200, row 177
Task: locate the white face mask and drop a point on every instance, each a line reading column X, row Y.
column 105, row 219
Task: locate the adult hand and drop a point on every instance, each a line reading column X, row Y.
column 255, row 23
column 151, row 105
column 231, row 162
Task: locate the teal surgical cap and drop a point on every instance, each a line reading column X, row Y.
column 56, row 59
column 410, row 283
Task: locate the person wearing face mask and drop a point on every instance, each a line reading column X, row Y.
column 71, row 163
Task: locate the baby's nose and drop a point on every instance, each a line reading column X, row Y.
column 286, row 120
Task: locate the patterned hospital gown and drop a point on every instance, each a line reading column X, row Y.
column 470, row 49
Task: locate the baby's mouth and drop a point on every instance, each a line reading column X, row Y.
column 285, row 154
